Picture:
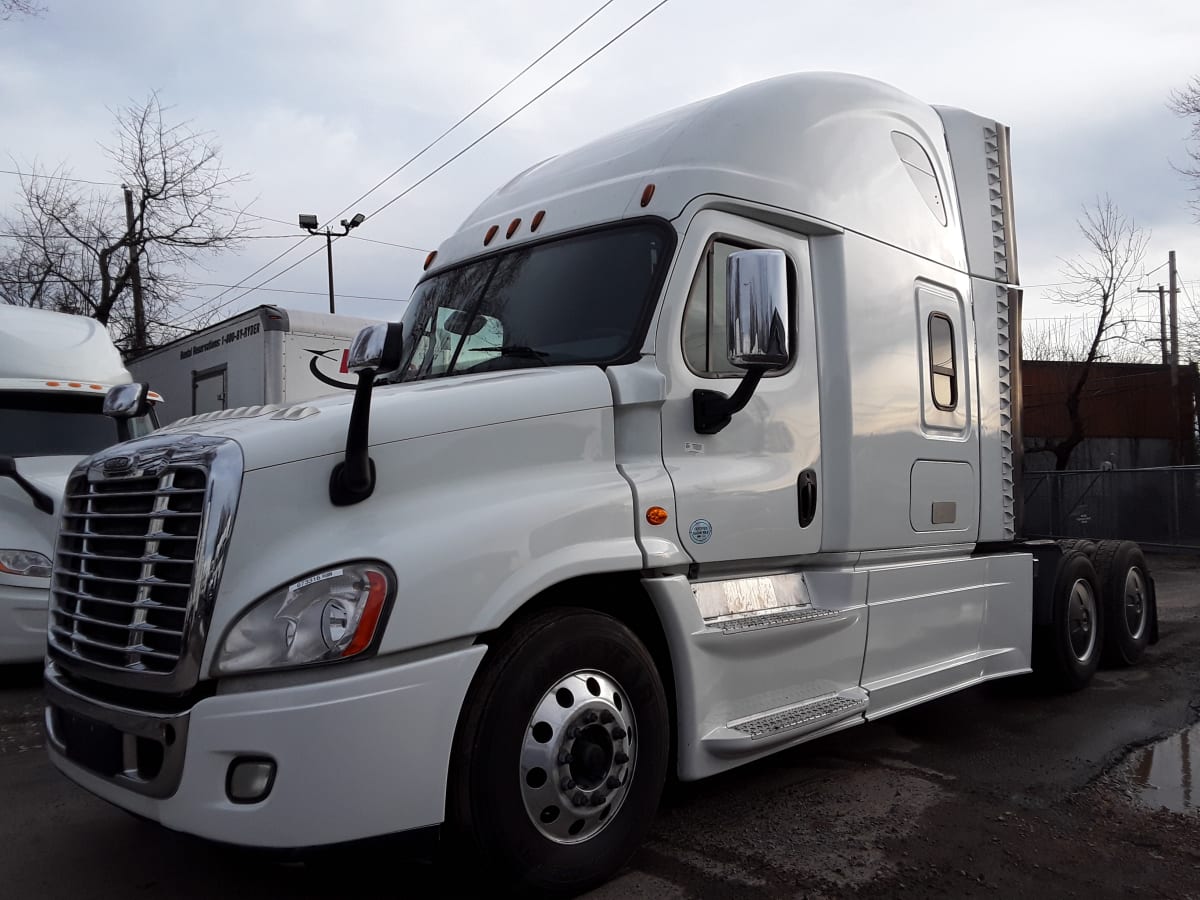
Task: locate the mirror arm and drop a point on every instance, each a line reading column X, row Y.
column 712, row 410
column 41, row 500
column 353, row 479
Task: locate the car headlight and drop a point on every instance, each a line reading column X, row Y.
column 25, row 562
column 326, row 616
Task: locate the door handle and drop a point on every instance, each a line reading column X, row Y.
column 806, row 496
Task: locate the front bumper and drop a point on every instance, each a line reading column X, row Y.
column 357, row 756
column 23, row 621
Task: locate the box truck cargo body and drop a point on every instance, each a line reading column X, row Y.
column 692, row 444
column 266, row 355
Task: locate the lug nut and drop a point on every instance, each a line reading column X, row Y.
column 606, row 717
column 572, row 733
column 589, row 717
column 618, row 733
column 620, row 757
column 564, row 757
column 567, row 784
column 598, row 798
column 613, row 782
column 580, row 799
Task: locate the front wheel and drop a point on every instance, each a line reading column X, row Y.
column 562, row 753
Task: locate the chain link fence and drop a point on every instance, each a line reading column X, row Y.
column 1156, row 507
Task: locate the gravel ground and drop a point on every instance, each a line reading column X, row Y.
column 993, row 792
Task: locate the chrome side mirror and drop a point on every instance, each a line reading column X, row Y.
column 756, row 306
column 377, row 347
column 127, row 401
column 756, row 310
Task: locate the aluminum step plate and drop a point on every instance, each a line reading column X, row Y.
column 772, row 620
column 835, row 708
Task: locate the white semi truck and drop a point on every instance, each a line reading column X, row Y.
column 692, row 444
column 55, row 370
column 265, row 355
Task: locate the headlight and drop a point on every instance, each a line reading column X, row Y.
column 25, row 562
column 326, row 616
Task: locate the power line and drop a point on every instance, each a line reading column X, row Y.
column 432, row 143
column 58, row 178
column 524, row 106
column 478, row 107
column 474, row 143
column 216, row 284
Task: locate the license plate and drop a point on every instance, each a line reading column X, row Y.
column 93, row 745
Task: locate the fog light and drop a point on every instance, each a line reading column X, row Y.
column 250, row 779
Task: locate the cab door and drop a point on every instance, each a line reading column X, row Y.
column 752, row 491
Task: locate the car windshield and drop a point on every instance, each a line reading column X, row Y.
column 44, row 423
column 584, row 299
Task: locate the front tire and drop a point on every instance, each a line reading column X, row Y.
column 562, row 754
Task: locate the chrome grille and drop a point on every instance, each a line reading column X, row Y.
column 124, row 568
column 143, row 534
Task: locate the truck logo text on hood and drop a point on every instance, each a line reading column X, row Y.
column 335, row 356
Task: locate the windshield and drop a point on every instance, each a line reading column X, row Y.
column 37, row 423
column 585, row 299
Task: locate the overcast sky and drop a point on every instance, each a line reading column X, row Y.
column 317, row 101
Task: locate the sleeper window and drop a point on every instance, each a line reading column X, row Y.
column 943, row 370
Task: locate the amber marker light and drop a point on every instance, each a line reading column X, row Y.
column 512, row 228
column 647, row 194
column 656, row 515
column 537, row 219
column 491, row 233
column 430, row 258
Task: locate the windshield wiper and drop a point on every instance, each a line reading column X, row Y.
column 516, row 351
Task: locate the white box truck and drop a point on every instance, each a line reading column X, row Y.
column 692, row 444
column 55, row 370
column 266, row 355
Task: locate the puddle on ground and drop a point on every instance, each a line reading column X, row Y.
column 1167, row 773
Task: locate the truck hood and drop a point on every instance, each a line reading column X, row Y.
column 22, row 525
column 274, row 435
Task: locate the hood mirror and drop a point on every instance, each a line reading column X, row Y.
column 41, row 500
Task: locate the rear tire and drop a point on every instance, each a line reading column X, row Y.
column 1067, row 651
column 1127, row 601
column 1085, row 545
column 561, row 755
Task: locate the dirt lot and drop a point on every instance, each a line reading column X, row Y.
column 994, row 792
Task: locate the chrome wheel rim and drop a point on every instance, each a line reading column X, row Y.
column 1136, row 607
column 1081, row 620
column 578, row 756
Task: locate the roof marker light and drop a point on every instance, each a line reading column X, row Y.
column 95, row 387
column 647, row 194
column 512, row 228
column 74, row 384
column 656, row 515
column 53, row 383
column 537, row 219
column 430, row 258
column 491, row 233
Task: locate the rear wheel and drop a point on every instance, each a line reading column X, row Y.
column 1125, row 594
column 1067, row 651
column 562, row 754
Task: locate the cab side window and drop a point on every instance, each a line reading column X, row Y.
column 705, row 341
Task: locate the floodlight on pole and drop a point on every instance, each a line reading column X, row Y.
column 310, row 223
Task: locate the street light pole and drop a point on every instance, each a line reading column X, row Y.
column 309, row 223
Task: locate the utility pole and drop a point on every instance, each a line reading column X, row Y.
column 1162, row 321
column 135, row 274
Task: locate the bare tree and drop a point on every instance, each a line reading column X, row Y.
column 11, row 8
column 1117, row 246
column 1186, row 104
column 119, row 254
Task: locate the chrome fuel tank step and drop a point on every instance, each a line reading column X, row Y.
column 774, row 726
